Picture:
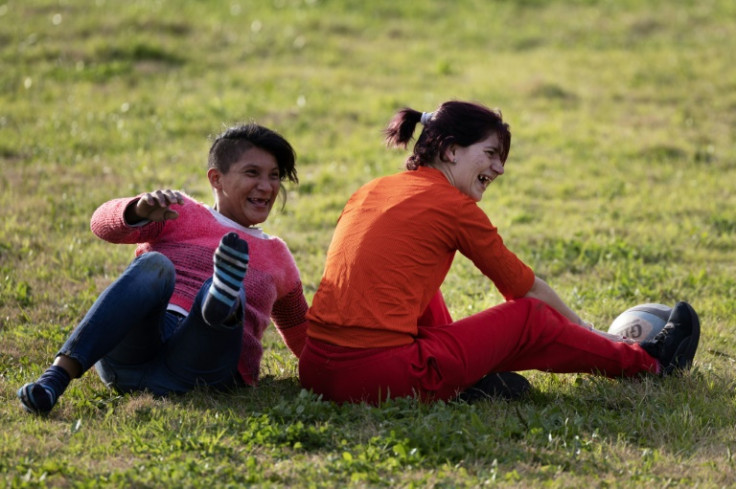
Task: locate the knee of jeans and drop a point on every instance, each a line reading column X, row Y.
column 159, row 265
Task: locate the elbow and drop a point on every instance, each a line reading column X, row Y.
column 537, row 286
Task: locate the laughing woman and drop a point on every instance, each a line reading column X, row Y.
column 378, row 326
column 206, row 281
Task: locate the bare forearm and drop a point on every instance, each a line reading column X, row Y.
column 542, row 291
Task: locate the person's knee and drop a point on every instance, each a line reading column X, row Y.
column 157, row 262
column 533, row 306
column 158, row 265
column 530, row 302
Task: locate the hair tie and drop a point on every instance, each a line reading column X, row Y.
column 426, row 117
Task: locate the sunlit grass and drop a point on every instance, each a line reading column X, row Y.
column 618, row 191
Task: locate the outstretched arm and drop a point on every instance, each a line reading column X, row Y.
column 542, row 291
column 154, row 206
column 130, row 220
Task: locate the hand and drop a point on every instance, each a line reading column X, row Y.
column 613, row 337
column 155, row 206
column 587, row 325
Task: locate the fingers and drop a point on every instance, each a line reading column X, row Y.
column 163, row 198
column 614, row 337
column 155, row 205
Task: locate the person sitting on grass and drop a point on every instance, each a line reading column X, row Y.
column 193, row 305
column 379, row 328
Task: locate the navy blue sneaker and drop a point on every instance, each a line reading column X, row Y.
column 674, row 347
column 503, row 385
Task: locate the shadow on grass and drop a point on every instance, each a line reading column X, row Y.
column 567, row 418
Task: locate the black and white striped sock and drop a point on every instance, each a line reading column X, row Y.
column 231, row 263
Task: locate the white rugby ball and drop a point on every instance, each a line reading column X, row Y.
column 642, row 322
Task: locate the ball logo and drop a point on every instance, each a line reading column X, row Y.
column 634, row 331
column 642, row 322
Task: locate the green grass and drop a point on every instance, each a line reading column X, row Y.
column 618, row 190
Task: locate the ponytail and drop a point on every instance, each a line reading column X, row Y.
column 454, row 122
column 401, row 128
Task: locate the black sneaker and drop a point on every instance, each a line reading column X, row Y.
column 502, row 385
column 674, row 347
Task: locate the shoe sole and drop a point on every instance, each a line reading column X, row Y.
column 683, row 357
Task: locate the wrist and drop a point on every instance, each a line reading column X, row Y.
column 586, row 324
column 130, row 215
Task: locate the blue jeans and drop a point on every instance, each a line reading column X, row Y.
column 136, row 344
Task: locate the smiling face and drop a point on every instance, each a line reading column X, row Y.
column 473, row 168
column 246, row 193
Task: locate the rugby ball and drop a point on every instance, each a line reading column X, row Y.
column 642, row 322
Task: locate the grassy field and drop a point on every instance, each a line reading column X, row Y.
column 619, row 190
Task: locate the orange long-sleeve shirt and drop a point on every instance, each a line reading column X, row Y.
column 391, row 250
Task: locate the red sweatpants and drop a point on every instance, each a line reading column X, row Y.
column 448, row 357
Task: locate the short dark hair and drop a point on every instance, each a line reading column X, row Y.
column 454, row 122
column 229, row 146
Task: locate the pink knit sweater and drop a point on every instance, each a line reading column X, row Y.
column 273, row 285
